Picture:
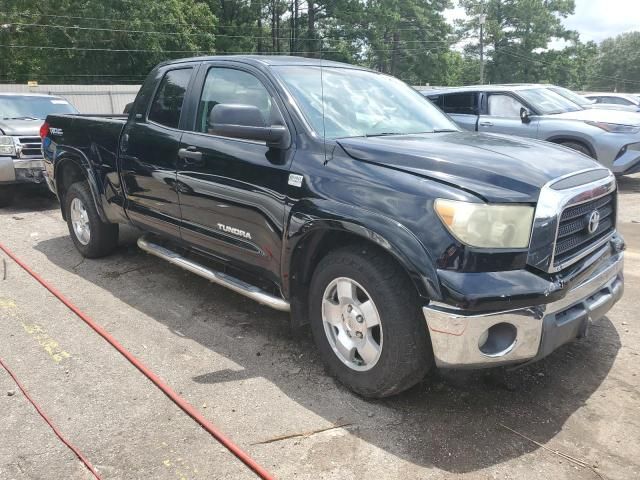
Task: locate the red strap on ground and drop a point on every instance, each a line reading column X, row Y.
column 168, row 391
column 71, row 447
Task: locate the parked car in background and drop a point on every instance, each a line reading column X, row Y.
column 341, row 195
column 21, row 116
column 624, row 99
column 611, row 137
column 585, row 102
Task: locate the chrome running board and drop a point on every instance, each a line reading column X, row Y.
column 220, row 278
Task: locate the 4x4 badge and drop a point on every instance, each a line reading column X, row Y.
column 295, row 180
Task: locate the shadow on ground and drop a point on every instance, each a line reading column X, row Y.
column 452, row 420
column 629, row 184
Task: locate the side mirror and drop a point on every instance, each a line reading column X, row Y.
column 128, row 107
column 525, row 115
column 246, row 122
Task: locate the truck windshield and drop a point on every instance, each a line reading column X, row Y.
column 32, row 107
column 356, row 103
column 547, row 102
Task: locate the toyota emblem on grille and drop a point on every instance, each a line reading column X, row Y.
column 594, row 221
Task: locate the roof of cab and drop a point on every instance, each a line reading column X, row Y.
column 268, row 60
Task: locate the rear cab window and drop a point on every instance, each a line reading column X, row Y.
column 465, row 103
column 169, row 99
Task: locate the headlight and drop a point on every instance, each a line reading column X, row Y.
column 487, row 226
column 7, row 147
column 615, row 128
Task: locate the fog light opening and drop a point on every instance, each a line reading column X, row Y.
column 498, row 340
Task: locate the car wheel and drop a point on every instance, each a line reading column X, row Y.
column 366, row 322
column 92, row 237
column 580, row 147
column 6, row 195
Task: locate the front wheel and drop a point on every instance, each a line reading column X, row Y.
column 366, row 322
column 580, row 147
column 92, row 237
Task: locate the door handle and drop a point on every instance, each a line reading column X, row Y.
column 486, row 124
column 190, row 153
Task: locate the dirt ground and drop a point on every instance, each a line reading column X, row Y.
column 242, row 366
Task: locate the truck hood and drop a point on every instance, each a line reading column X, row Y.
column 20, row 127
column 498, row 168
column 600, row 115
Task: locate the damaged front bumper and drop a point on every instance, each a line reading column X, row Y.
column 21, row 170
column 469, row 339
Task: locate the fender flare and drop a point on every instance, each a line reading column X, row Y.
column 317, row 216
column 66, row 154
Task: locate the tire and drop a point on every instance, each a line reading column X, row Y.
column 6, row 195
column 580, row 147
column 404, row 354
column 102, row 238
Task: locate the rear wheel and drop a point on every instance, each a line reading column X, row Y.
column 92, row 237
column 367, row 324
column 6, row 195
column 580, row 147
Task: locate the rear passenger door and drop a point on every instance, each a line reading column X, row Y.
column 501, row 114
column 148, row 155
column 232, row 190
column 463, row 108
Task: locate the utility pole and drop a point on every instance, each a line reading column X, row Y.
column 482, row 19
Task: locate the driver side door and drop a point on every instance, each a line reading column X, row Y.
column 232, row 190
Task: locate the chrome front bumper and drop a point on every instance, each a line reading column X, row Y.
column 463, row 340
column 13, row 170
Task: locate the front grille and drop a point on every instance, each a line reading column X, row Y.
column 31, row 146
column 573, row 235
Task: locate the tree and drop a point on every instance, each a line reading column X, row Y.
column 131, row 37
column 617, row 65
column 515, row 32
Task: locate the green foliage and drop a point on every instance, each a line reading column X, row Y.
column 119, row 41
column 617, row 65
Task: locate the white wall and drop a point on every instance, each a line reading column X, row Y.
column 106, row 99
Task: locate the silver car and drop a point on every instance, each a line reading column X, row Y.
column 611, row 137
column 585, row 102
column 624, row 99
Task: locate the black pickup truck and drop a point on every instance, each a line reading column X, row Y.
column 343, row 196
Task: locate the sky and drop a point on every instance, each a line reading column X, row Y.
column 595, row 19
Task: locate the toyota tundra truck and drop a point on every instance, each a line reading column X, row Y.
column 21, row 116
column 343, row 196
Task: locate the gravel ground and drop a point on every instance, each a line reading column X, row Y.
column 254, row 378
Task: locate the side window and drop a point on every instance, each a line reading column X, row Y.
column 465, row 103
column 504, row 106
column 234, row 87
column 435, row 99
column 167, row 104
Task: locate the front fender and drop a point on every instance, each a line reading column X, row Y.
column 312, row 216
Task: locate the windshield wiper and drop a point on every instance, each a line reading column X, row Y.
column 21, row 118
column 444, row 130
column 383, row 134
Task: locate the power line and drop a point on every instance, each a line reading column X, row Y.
column 549, row 64
column 216, row 35
column 195, row 24
column 124, row 50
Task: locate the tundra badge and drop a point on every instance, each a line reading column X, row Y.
column 234, row 231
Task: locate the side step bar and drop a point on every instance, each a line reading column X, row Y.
column 220, row 278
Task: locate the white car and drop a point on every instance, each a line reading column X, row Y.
column 625, row 99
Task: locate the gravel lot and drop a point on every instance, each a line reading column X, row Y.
column 254, row 378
